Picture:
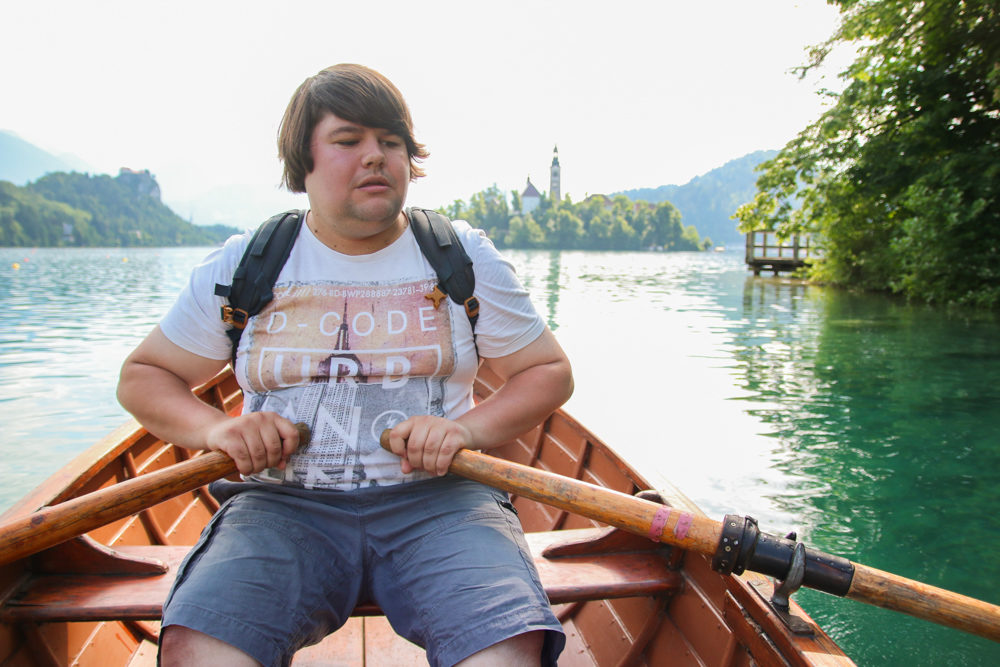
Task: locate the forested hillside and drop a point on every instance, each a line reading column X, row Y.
column 73, row 209
column 708, row 202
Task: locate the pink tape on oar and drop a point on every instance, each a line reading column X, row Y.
column 659, row 521
column 684, row 522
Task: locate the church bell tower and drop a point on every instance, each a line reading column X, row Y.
column 554, row 191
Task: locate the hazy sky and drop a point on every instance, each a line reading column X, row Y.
column 635, row 94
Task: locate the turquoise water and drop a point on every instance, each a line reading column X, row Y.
column 868, row 426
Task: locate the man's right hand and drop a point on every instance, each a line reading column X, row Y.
column 255, row 441
column 155, row 386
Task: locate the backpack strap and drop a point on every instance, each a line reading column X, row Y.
column 257, row 271
column 444, row 250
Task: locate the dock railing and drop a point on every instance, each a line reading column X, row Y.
column 766, row 252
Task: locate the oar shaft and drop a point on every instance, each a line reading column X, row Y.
column 884, row 589
column 634, row 515
column 631, row 514
column 54, row 525
column 50, row 526
column 703, row 535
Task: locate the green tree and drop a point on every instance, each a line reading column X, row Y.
column 565, row 229
column 665, row 229
column 456, row 210
column 589, row 209
column 623, row 236
column 489, row 211
column 690, row 240
column 598, row 233
column 28, row 219
column 524, row 233
column 901, row 176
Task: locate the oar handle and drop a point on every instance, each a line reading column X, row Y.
column 711, row 538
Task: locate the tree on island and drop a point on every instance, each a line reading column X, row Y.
column 596, row 223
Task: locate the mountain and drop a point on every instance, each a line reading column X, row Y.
column 242, row 206
column 73, row 209
column 21, row 162
column 709, row 201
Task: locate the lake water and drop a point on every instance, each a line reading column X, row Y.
column 868, row 426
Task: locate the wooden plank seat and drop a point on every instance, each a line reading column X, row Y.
column 617, row 565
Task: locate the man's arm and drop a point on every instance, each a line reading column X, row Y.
column 538, row 380
column 155, row 386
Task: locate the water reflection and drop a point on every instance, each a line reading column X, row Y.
column 888, row 415
column 552, row 285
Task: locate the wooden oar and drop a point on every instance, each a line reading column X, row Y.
column 56, row 524
column 733, row 543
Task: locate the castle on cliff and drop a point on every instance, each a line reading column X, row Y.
column 142, row 182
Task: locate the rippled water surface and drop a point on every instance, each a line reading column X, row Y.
column 867, row 425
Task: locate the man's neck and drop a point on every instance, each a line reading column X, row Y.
column 332, row 234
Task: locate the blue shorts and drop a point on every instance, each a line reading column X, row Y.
column 278, row 569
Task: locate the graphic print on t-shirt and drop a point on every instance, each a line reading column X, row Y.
column 349, row 361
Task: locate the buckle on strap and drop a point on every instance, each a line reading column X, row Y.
column 472, row 306
column 237, row 317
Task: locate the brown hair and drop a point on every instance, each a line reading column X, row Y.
column 352, row 92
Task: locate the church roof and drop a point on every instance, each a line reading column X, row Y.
column 531, row 191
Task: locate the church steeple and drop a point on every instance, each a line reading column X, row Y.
column 554, row 190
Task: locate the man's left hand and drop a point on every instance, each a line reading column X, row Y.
column 428, row 443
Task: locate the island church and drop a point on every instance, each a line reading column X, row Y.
column 530, row 198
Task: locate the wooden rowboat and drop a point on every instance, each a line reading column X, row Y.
column 623, row 599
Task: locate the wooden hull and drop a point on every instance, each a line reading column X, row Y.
column 622, row 600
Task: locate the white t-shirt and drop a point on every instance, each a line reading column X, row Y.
column 351, row 345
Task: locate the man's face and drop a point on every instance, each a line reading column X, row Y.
column 360, row 176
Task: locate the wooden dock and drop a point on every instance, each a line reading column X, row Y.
column 765, row 252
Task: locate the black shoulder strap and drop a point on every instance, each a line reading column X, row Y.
column 257, row 271
column 444, row 250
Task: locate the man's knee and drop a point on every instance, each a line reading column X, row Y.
column 524, row 650
column 184, row 647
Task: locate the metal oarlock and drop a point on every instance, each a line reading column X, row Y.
column 783, row 590
column 742, row 546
